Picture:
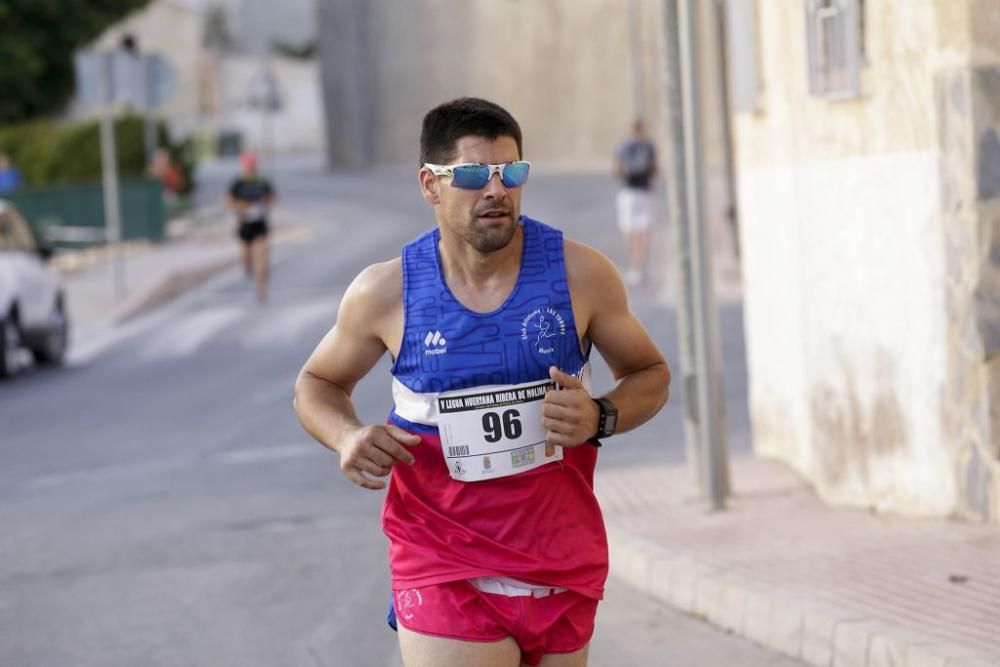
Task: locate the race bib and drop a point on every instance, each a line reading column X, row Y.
column 488, row 433
column 254, row 212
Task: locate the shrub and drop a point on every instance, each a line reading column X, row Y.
column 50, row 154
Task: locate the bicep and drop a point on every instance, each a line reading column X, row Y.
column 613, row 328
column 344, row 357
column 351, row 348
column 623, row 341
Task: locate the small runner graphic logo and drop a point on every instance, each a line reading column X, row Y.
column 459, row 468
column 435, row 343
column 540, row 325
column 406, row 601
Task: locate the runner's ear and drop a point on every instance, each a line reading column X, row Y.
column 429, row 187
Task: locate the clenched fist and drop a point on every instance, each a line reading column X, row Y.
column 374, row 450
column 569, row 415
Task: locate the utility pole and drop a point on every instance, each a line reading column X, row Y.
column 701, row 369
column 109, row 162
column 635, row 53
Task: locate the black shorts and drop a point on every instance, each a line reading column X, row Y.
column 249, row 231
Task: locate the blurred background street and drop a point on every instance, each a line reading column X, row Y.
column 161, row 504
column 822, row 273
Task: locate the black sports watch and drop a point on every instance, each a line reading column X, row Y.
column 607, row 421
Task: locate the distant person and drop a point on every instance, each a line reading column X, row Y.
column 163, row 168
column 251, row 196
column 10, row 177
column 635, row 165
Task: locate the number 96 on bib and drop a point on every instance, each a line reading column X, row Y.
column 493, row 432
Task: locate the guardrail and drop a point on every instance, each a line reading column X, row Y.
column 73, row 215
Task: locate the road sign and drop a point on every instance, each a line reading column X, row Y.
column 143, row 82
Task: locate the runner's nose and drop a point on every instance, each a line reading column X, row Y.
column 495, row 189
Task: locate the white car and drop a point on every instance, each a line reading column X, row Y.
column 32, row 304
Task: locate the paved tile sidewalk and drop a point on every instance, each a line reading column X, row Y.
column 837, row 587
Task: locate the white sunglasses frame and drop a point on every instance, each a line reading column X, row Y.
column 447, row 169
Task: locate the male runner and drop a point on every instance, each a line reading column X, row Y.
column 251, row 197
column 496, row 543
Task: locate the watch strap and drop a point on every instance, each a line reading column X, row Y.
column 607, row 420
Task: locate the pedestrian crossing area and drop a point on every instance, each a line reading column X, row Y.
column 288, row 320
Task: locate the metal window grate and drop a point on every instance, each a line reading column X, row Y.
column 833, row 32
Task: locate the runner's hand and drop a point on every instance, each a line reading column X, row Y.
column 569, row 415
column 374, row 450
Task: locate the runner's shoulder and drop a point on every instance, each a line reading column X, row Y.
column 377, row 290
column 591, row 275
column 587, row 262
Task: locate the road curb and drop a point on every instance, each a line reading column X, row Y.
column 171, row 287
column 820, row 635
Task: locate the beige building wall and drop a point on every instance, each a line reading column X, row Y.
column 573, row 72
column 562, row 67
column 868, row 346
column 215, row 92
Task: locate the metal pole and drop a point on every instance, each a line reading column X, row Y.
column 707, row 356
column 149, row 84
column 109, row 170
column 721, row 9
column 635, row 49
column 263, row 102
column 675, row 175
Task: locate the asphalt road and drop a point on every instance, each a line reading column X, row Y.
column 160, row 504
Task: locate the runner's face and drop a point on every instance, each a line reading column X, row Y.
column 487, row 218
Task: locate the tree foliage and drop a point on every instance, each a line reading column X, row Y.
column 37, row 41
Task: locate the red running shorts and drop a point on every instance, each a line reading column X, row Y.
column 557, row 623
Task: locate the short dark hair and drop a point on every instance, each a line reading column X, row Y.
column 446, row 123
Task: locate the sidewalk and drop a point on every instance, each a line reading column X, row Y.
column 829, row 586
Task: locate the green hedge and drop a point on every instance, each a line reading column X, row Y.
column 47, row 153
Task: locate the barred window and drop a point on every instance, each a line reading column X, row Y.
column 835, row 42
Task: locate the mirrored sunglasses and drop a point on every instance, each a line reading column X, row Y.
column 470, row 176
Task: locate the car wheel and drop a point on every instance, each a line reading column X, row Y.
column 52, row 349
column 10, row 347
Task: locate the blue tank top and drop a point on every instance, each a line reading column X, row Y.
column 446, row 346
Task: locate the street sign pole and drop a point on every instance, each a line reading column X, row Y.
column 701, row 363
column 676, row 175
column 105, row 79
column 149, row 83
column 109, row 171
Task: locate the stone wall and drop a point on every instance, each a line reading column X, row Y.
column 968, row 100
column 869, row 229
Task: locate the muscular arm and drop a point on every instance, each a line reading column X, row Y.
column 601, row 309
column 369, row 315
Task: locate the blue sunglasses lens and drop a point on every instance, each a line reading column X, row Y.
column 515, row 174
column 470, row 176
column 476, row 176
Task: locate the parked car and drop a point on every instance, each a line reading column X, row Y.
column 32, row 303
